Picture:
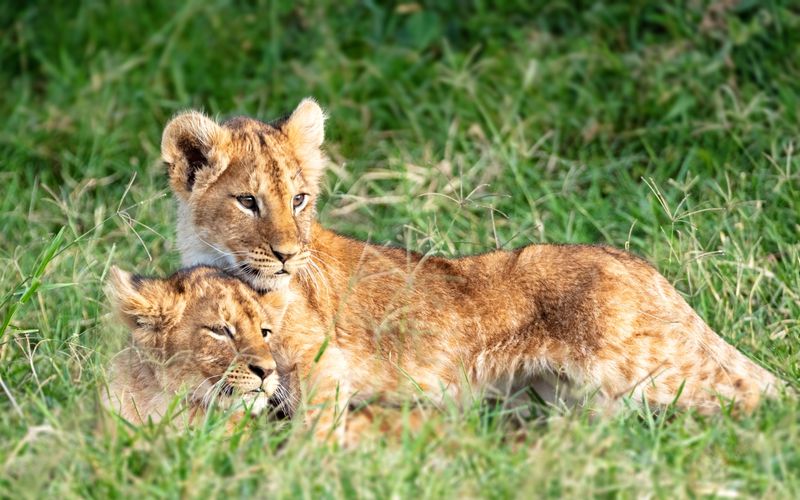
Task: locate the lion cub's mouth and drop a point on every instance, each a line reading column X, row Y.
column 256, row 401
column 262, row 280
column 252, row 271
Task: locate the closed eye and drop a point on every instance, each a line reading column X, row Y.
column 219, row 332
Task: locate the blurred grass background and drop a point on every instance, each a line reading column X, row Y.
column 668, row 128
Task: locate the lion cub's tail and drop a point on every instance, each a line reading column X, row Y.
column 672, row 356
column 725, row 371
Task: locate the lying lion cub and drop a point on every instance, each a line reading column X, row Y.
column 379, row 323
column 200, row 332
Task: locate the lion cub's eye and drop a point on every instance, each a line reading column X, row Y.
column 266, row 332
column 299, row 202
column 248, row 202
column 220, row 332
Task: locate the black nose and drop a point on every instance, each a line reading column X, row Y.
column 260, row 371
column 283, row 257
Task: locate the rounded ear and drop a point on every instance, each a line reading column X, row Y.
column 192, row 147
column 148, row 306
column 125, row 298
column 306, row 125
column 305, row 129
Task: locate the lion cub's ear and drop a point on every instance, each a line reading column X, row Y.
column 305, row 129
column 148, row 306
column 193, row 148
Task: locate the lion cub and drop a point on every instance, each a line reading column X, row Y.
column 376, row 323
column 199, row 332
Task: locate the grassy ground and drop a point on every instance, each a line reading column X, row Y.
column 454, row 127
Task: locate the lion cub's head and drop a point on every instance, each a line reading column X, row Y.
column 246, row 191
column 202, row 331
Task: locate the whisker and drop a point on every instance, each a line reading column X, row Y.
column 304, row 278
column 312, row 265
column 197, row 388
column 322, row 252
column 207, row 398
column 222, row 253
column 286, row 400
column 309, row 272
column 319, row 259
column 211, row 245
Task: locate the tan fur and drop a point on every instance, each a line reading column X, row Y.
column 397, row 324
column 179, row 345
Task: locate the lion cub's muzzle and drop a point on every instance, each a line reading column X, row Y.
column 253, row 383
column 273, row 269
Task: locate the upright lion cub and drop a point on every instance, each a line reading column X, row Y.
column 199, row 332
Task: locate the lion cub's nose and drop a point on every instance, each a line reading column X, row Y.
column 283, row 254
column 261, row 371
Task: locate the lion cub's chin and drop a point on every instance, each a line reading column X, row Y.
column 256, row 402
column 253, row 403
column 274, row 282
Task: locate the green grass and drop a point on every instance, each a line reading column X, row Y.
column 454, row 127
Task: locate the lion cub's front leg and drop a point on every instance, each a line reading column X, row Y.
column 326, row 415
column 333, row 420
column 326, row 396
